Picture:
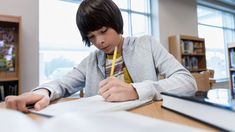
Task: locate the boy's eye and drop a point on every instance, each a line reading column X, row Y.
column 104, row 30
column 90, row 37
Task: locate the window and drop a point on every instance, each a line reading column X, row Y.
column 61, row 45
column 217, row 27
column 132, row 12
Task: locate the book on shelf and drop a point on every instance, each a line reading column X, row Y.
column 7, row 49
column 2, row 96
column 194, row 63
column 190, row 63
column 187, row 47
column 232, row 57
column 215, row 107
column 186, row 62
column 8, row 88
column 233, row 82
column 119, row 121
column 198, row 48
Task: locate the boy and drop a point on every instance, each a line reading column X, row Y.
column 139, row 63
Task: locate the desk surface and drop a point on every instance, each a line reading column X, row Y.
column 153, row 110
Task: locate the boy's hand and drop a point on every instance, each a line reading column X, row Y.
column 39, row 98
column 113, row 89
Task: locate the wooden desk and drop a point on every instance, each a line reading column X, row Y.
column 153, row 110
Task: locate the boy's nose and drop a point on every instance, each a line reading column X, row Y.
column 100, row 41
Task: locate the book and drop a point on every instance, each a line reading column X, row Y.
column 233, row 82
column 120, row 121
column 215, row 107
column 7, row 49
column 93, row 104
column 194, row 63
column 2, row 93
column 232, row 57
column 188, row 47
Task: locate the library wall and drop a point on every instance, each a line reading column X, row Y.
column 177, row 17
column 29, row 55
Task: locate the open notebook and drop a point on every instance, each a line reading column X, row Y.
column 121, row 121
column 92, row 104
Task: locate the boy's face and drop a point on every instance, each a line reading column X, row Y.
column 105, row 39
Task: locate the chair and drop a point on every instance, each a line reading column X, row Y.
column 212, row 80
column 81, row 93
column 202, row 80
column 212, row 72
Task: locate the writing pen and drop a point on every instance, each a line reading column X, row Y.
column 31, row 106
column 40, row 114
column 32, row 111
column 113, row 61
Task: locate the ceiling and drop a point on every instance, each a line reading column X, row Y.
column 229, row 2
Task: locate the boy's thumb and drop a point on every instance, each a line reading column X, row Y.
column 42, row 103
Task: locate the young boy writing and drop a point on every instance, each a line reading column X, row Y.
column 139, row 63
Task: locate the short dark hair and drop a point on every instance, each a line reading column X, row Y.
column 95, row 14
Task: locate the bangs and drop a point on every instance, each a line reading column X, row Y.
column 92, row 22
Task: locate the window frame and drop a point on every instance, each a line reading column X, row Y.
column 223, row 29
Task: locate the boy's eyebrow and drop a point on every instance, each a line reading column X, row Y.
column 90, row 34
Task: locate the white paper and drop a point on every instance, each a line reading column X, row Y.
column 121, row 121
column 111, row 122
column 15, row 121
column 92, row 104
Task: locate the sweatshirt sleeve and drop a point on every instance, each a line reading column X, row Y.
column 68, row 84
column 177, row 79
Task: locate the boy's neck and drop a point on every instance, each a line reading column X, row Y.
column 120, row 44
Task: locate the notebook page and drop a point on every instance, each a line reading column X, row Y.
column 92, row 104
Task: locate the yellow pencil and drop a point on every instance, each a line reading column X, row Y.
column 114, row 61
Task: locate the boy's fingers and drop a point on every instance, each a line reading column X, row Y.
column 11, row 104
column 103, row 82
column 21, row 106
column 42, row 103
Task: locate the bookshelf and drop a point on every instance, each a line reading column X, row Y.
column 231, row 64
column 189, row 51
column 10, row 83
